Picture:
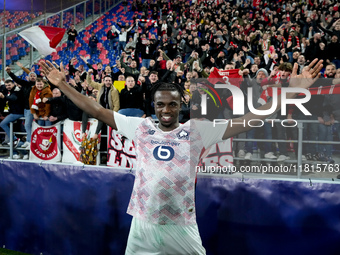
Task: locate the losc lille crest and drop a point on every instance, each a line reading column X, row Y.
column 44, row 143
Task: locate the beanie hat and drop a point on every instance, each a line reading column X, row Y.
column 33, row 73
column 262, row 70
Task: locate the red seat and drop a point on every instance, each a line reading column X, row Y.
column 55, row 57
column 105, row 61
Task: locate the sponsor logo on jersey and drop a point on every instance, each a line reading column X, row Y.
column 183, row 134
column 164, row 153
column 151, row 132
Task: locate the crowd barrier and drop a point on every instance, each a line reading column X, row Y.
column 298, row 161
column 53, row 209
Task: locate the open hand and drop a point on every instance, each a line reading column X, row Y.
column 19, row 64
column 52, row 74
column 308, row 76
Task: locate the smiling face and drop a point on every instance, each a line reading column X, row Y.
column 108, row 81
column 167, row 107
column 39, row 85
column 330, row 71
column 153, row 77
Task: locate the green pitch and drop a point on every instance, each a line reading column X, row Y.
column 9, row 252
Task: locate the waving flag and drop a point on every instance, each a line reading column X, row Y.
column 44, row 39
column 326, row 90
column 225, row 76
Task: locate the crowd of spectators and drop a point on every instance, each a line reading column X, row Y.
column 182, row 42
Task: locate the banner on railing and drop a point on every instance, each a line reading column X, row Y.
column 72, row 138
column 44, row 144
column 122, row 153
column 218, row 155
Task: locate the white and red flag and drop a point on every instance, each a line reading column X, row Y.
column 326, row 90
column 45, row 39
column 72, row 138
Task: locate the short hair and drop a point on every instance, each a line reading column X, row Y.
column 107, row 76
column 331, row 64
column 153, row 72
column 164, row 86
column 9, row 81
column 129, row 77
column 230, row 63
column 40, row 79
column 287, row 67
column 201, row 81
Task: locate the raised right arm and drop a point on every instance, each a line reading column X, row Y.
column 17, row 79
column 90, row 82
column 86, row 104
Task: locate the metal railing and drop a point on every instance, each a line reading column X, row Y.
column 299, row 141
column 11, row 147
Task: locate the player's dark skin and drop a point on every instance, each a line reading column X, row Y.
column 167, row 107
